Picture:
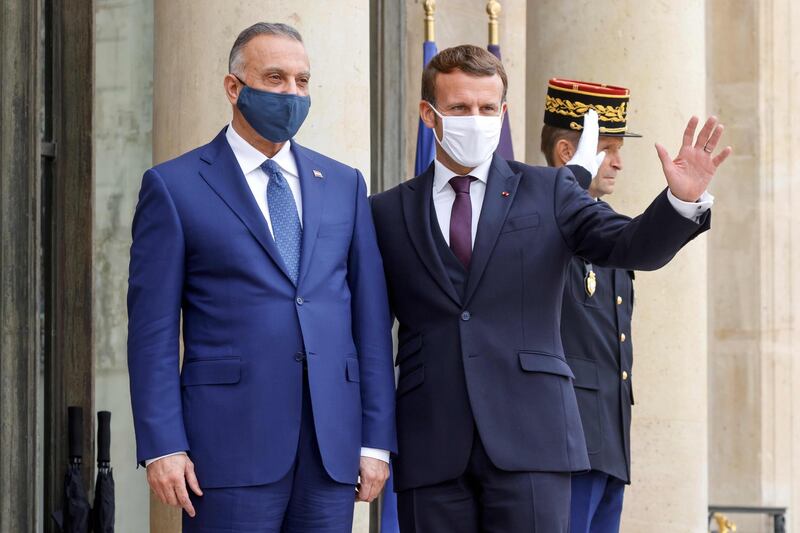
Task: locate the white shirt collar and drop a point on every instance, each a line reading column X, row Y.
column 442, row 174
column 249, row 158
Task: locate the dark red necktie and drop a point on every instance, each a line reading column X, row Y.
column 461, row 220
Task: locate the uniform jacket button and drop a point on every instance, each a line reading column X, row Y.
column 624, row 375
column 465, row 316
column 622, row 337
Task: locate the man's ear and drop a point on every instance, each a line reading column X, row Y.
column 231, row 85
column 427, row 114
column 564, row 151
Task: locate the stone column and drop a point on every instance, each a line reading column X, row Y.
column 466, row 22
column 658, row 51
column 192, row 42
column 754, row 322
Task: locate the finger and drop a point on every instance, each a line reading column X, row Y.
column 191, row 479
column 663, row 155
column 688, row 133
column 379, row 486
column 590, row 128
column 599, row 158
column 159, row 494
column 711, row 145
column 364, row 491
column 705, row 133
column 169, row 495
column 183, row 499
column 590, row 121
column 722, row 156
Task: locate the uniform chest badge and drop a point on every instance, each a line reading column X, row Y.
column 590, row 283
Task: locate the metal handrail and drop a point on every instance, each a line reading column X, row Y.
column 778, row 515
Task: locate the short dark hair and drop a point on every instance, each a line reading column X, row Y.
column 467, row 58
column 248, row 34
column 550, row 137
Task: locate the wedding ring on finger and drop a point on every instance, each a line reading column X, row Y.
column 707, row 149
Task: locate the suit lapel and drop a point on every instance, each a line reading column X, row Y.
column 313, row 189
column 496, row 205
column 225, row 177
column 416, row 196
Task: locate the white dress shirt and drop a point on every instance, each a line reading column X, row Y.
column 444, row 196
column 250, row 161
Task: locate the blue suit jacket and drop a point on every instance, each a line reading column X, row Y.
column 202, row 252
column 489, row 358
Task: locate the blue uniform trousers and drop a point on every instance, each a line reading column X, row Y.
column 305, row 500
column 596, row 503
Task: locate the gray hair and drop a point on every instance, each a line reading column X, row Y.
column 235, row 59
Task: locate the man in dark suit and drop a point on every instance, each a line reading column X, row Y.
column 475, row 251
column 267, row 252
column 596, row 313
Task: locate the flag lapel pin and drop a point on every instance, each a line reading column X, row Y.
column 317, row 174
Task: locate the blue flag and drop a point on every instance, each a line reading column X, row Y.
column 426, row 151
column 426, row 144
column 505, row 149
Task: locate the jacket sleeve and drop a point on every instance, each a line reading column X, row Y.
column 155, row 286
column 594, row 231
column 372, row 330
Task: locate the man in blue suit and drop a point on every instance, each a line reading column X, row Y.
column 283, row 411
column 476, row 250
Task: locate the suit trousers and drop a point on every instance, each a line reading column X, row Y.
column 305, row 500
column 596, row 503
column 485, row 499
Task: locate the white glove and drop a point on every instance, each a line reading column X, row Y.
column 586, row 155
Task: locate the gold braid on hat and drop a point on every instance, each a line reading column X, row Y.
column 577, row 109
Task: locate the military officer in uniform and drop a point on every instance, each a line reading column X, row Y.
column 596, row 311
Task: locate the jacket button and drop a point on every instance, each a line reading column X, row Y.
column 624, row 375
column 300, row 300
column 619, row 300
column 465, row 316
column 622, row 337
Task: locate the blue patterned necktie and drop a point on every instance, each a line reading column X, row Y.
column 286, row 228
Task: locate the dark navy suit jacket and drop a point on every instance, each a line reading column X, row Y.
column 202, row 252
column 596, row 332
column 490, row 358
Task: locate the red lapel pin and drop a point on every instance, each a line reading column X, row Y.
column 505, row 194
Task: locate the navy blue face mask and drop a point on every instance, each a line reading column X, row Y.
column 275, row 116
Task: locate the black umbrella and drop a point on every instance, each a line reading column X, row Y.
column 103, row 512
column 76, row 506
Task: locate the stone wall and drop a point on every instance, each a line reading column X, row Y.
column 658, row 51
column 753, row 257
column 122, row 136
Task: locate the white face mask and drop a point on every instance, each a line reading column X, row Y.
column 469, row 140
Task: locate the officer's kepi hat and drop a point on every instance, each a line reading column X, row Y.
column 568, row 100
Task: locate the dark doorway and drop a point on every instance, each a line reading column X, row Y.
column 46, row 359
